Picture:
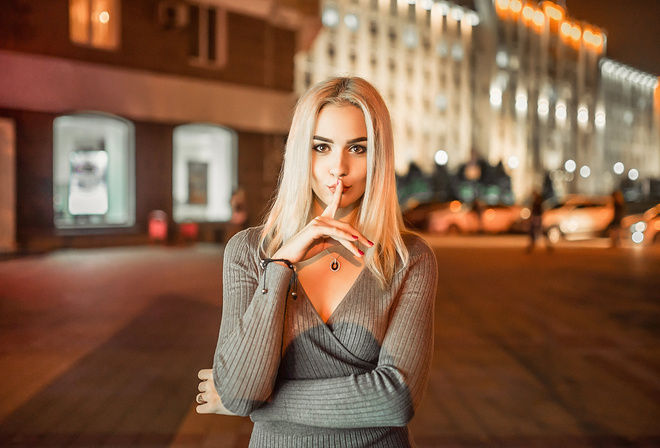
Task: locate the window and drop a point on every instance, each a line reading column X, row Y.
column 95, row 23
column 93, row 171
column 207, row 38
column 204, row 173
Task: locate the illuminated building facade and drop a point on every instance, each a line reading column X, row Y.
column 518, row 82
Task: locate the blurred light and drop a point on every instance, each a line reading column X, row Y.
column 555, row 12
column 412, row 2
column 455, row 206
column 585, row 171
column 441, row 157
column 637, row 237
column 502, row 59
column 330, row 17
column 538, row 18
column 633, row 174
column 628, row 117
column 570, row 165
column 528, row 13
column 473, row 18
column 565, row 29
column 607, row 67
column 618, row 168
column 495, row 96
column 457, row 52
column 599, row 119
column 489, row 214
column 351, row 21
column 513, row 162
column 426, row 4
column 444, row 9
column 639, row 226
column 502, row 4
column 543, row 108
column 560, row 111
column 583, row 115
column 457, row 13
column 525, row 213
column 515, row 6
column 104, row 17
column 521, row 102
column 576, row 32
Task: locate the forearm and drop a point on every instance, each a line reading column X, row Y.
column 248, row 353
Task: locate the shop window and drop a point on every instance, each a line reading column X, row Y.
column 95, row 23
column 204, row 173
column 207, row 38
column 93, row 171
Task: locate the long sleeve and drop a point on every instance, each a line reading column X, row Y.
column 248, row 353
column 386, row 395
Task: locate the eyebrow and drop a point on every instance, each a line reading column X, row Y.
column 349, row 142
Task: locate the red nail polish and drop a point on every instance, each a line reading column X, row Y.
column 370, row 243
column 361, row 253
column 354, row 237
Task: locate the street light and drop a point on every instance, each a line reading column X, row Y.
column 633, row 174
column 441, row 157
column 618, row 168
column 570, row 165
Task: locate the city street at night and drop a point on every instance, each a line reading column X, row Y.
column 101, row 347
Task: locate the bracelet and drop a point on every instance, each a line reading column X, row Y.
column 294, row 278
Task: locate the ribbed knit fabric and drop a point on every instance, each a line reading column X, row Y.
column 351, row 382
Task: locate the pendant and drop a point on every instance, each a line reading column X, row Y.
column 334, row 265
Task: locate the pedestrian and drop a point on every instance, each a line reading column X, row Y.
column 536, row 223
column 327, row 337
column 619, row 210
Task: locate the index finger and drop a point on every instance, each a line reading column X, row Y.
column 331, row 209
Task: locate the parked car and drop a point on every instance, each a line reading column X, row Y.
column 643, row 228
column 465, row 218
column 578, row 217
column 416, row 214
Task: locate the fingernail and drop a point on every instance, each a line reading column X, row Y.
column 354, row 237
column 361, row 253
column 337, row 182
column 370, row 243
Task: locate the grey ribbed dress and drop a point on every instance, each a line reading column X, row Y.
column 351, row 382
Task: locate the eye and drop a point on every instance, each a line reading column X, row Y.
column 358, row 149
column 321, row 147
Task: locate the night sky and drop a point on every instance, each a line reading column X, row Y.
column 632, row 27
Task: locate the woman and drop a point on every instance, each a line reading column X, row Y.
column 326, row 338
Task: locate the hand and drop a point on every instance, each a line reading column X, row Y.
column 309, row 241
column 208, row 400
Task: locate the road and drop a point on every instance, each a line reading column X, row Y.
column 541, row 349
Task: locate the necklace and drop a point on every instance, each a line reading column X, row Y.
column 334, row 264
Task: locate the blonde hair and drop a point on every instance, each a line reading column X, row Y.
column 379, row 217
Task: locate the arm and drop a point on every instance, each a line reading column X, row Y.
column 248, row 352
column 387, row 395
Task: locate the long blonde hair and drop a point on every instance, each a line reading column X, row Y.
column 379, row 217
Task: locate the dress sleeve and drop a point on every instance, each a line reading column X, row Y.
column 248, row 352
column 386, row 395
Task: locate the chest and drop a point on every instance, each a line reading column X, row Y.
column 325, row 287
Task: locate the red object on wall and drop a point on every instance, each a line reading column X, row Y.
column 158, row 226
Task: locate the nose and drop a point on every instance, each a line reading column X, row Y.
column 339, row 164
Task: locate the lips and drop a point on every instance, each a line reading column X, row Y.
column 332, row 188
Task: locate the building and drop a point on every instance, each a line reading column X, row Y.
column 517, row 83
column 111, row 110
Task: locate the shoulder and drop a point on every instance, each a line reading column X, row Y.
column 418, row 249
column 244, row 246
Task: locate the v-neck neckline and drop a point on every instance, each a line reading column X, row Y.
column 332, row 315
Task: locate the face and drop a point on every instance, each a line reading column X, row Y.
column 339, row 149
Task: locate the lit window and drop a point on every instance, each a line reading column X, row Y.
column 93, row 171
column 204, row 173
column 207, row 35
column 94, row 23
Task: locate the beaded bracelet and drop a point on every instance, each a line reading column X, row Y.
column 294, row 278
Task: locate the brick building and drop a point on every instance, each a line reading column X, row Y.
column 110, row 110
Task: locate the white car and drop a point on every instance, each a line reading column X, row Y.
column 644, row 228
column 578, row 217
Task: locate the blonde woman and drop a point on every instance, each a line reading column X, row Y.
column 327, row 323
